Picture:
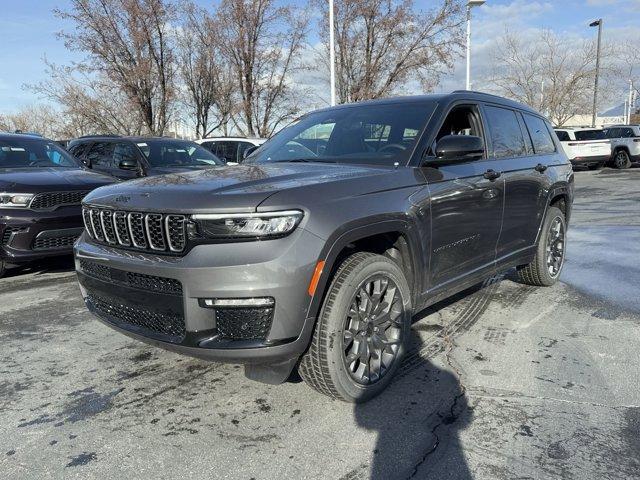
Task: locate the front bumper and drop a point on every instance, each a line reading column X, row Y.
column 279, row 269
column 27, row 235
column 590, row 160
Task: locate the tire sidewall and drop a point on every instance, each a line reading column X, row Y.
column 546, row 277
column 335, row 318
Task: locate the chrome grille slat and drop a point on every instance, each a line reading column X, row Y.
column 155, row 235
column 136, row 228
column 122, row 228
column 96, row 225
column 155, row 232
column 106, row 221
column 175, row 229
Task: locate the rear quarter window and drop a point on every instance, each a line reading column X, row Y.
column 563, row 136
column 539, row 133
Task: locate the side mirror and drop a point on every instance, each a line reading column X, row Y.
column 249, row 151
column 457, row 149
column 128, row 164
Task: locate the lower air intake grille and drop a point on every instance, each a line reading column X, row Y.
column 54, row 243
column 244, row 323
column 131, row 279
column 171, row 326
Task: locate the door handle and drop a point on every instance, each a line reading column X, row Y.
column 540, row 167
column 491, row 174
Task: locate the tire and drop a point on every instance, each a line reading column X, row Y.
column 539, row 272
column 329, row 365
column 3, row 268
column 597, row 166
column 621, row 159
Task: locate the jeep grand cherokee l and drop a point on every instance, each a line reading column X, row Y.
column 296, row 259
column 41, row 187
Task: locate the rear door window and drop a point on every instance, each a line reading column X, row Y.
column 506, row 136
column 540, row 136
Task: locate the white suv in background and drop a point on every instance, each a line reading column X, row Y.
column 625, row 143
column 588, row 147
column 230, row 149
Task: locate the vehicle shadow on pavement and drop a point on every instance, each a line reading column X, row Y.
column 417, row 419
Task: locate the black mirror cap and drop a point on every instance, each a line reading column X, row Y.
column 458, row 148
column 128, row 164
column 249, row 151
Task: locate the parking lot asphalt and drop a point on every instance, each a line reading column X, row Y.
column 503, row 381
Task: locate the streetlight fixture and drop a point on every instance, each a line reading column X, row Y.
column 332, row 55
column 597, row 23
column 470, row 5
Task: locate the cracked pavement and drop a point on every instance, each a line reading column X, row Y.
column 503, row 381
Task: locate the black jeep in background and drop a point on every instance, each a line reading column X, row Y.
column 133, row 157
column 41, row 187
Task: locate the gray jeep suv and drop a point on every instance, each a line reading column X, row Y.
column 317, row 259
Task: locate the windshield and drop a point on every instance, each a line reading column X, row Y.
column 380, row 134
column 176, row 153
column 20, row 152
column 590, row 135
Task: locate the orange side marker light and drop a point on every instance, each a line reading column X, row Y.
column 316, row 277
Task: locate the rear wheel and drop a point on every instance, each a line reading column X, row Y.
column 3, row 268
column 545, row 268
column 360, row 337
column 621, row 159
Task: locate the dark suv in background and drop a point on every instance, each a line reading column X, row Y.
column 318, row 260
column 132, row 157
column 41, row 187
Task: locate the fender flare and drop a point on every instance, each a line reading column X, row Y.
column 352, row 233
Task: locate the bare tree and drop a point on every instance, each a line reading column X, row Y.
column 548, row 74
column 89, row 102
column 207, row 76
column 262, row 42
column 42, row 119
column 128, row 42
column 384, row 45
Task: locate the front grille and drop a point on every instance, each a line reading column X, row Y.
column 9, row 231
column 244, row 323
column 131, row 279
column 52, row 200
column 150, row 232
column 172, row 326
column 54, row 243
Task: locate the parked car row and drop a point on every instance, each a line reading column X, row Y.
column 42, row 184
column 617, row 146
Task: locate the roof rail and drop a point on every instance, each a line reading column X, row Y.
column 479, row 93
column 100, row 135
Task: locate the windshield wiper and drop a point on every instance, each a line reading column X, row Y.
column 304, row 160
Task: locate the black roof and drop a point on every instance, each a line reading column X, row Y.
column 30, row 136
column 444, row 98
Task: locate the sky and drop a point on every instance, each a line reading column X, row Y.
column 28, row 35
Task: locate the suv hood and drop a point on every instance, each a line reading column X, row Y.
column 36, row 180
column 239, row 188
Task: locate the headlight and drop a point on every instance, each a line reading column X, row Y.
column 15, row 200
column 244, row 225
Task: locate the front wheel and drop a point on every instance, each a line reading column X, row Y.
column 621, row 159
column 546, row 266
column 360, row 337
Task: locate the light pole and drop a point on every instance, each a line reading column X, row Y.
column 597, row 23
column 470, row 5
column 332, row 55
